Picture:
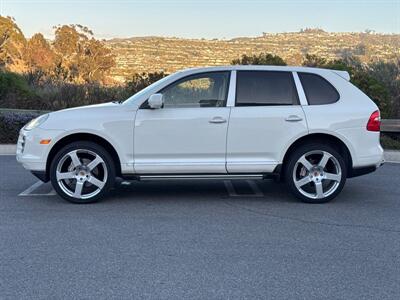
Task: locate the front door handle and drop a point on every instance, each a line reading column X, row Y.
column 217, row 120
column 293, row 118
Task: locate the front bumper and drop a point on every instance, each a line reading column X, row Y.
column 30, row 153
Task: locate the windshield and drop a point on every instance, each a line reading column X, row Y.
column 132, row 98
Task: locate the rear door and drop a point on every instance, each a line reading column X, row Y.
column 266, row 119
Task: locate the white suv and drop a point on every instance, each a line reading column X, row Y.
column 310, row 127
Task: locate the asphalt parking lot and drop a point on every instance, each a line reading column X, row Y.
column 201, row 239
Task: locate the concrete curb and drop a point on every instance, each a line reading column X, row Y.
column 8, row 149
column 390, row 155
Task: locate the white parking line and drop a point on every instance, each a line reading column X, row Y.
column 228, row 185
column 232, row 191
column 255, row 188
column 29, row 191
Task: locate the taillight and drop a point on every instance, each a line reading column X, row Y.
column 374, row 122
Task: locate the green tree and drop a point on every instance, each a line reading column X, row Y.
column 375, row 89
column 312, row 60
column 83, row 57
column 360, row 75
column 260, row 59
column 140, row 81
column 389, row 74
column 39, row 55
column 94, row 60
column 12, row 43
column 67, row 40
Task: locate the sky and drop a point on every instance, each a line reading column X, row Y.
column 203, row 18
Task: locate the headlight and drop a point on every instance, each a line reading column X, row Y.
column 36, row 122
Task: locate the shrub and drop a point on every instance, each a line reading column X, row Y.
column 390, row 141
column 36, row 90
column 16, row 93
column 11, row 122
column 140, row 81
column 260, row 59
column 362, row 76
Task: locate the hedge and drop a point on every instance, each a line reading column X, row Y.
column 11, row 121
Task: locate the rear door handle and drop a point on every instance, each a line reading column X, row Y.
column 293, row 118
column 217, row 120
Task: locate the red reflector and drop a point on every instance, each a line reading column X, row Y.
column 374, row 122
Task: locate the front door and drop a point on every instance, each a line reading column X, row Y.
column 187, row 135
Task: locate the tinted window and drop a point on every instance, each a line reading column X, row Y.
column 317, row 89
column 201, row 90
column 265, row 88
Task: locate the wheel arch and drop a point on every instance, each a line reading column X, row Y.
column 75, row 137
column 324, row 138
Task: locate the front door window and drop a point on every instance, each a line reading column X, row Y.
column 201, row 90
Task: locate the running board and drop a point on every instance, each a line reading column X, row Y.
column 191, row 177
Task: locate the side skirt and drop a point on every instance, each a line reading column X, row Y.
column 147, row 177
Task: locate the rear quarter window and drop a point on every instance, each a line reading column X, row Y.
column 317, row 89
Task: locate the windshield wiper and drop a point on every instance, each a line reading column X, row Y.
column 118, row 102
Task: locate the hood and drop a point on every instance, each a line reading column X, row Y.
column 83, row 115
column 86, row 107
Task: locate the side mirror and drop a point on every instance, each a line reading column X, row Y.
column 156, row 101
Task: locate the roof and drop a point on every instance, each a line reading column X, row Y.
column 342, row 74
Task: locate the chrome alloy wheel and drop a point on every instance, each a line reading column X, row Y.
column 81, row 174
column 317, row 174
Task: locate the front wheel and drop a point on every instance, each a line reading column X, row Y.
column 315, row 173
column 82, row 172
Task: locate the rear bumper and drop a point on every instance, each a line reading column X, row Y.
column 364, row 146
column 364, row 170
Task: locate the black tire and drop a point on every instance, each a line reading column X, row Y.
column 292, row 163
column 108, row 174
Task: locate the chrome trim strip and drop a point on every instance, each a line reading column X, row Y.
column 222, row 176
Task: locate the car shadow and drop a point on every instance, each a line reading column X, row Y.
column 199, row 190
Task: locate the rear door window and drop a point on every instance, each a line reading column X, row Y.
column 263, row 88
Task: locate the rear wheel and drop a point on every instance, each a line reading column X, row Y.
column 82, row 172
column 315, row 173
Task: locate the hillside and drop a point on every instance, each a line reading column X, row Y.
column 149, row 54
